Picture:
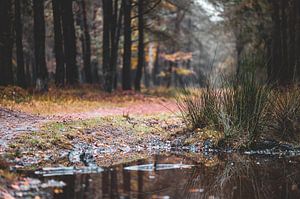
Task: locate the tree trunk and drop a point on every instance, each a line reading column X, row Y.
column 58, row 44
column 19, row 45
column 107, row 12
column 156, row 67
column 115, row 39
column 285, row 71
column 111, row 36
column 275, row 63
column 69, row 42
column 86, row 45
column 6, row 43
column 126, row 71
column 292, row 38
column 39, row 45
column 141, row 47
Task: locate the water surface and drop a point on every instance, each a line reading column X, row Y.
column 193, row 176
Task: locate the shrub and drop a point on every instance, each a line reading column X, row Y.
column 14, row 93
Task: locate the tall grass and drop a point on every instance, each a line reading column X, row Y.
column 284, row 114
column 237, row 108
column 244, row 110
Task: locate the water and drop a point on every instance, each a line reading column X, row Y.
column 191, row 176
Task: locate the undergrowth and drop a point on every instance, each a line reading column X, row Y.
column 243, row 110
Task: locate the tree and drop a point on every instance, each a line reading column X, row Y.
column 107, row 16
column 58, row 44
column 19, row 45
column 117, row 17
column 282, row 68
column 156, row 67
column 69, row 42
column 86, row 44
column 6, row 43
column 112, row 18
column 39, row 45
column 126, row 70
column 271, row 27
column 141, row 46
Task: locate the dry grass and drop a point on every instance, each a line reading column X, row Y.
column 238, row 109
column 245, row 113
column 71, row 100
column 285, row 114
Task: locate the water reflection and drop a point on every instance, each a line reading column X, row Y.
column 220, row 176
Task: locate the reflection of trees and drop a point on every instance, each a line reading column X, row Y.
column 69, row 191
column 105, row 184
column 114, row 185
column 140, row 184
column 126, row 181
column 234, row 176
column 243, row 177
column 240, row 178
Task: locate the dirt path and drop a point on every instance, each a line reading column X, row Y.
column 14, row 122
column 139, row 108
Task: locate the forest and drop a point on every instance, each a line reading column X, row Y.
column 119, row 43
column 109, row 98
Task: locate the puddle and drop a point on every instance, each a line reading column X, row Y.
column 64, row 171
column 158, row 167
column 179, row 176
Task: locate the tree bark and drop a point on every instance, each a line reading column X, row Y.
column 141, row 46
column 69, row 42
column 115, row 39
column 107, row 12
column 126, row 70
column 19, row 45
column 86, row 45
column 276, row 62
column 156, row 67
column 6, row 43
column 39, row 45
column 292, row 39
column 58, row 44
column 112, row 19
column 285, row 71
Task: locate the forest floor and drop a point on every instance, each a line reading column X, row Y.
column 46, row 129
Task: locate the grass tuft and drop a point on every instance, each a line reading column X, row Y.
column 238, row 108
